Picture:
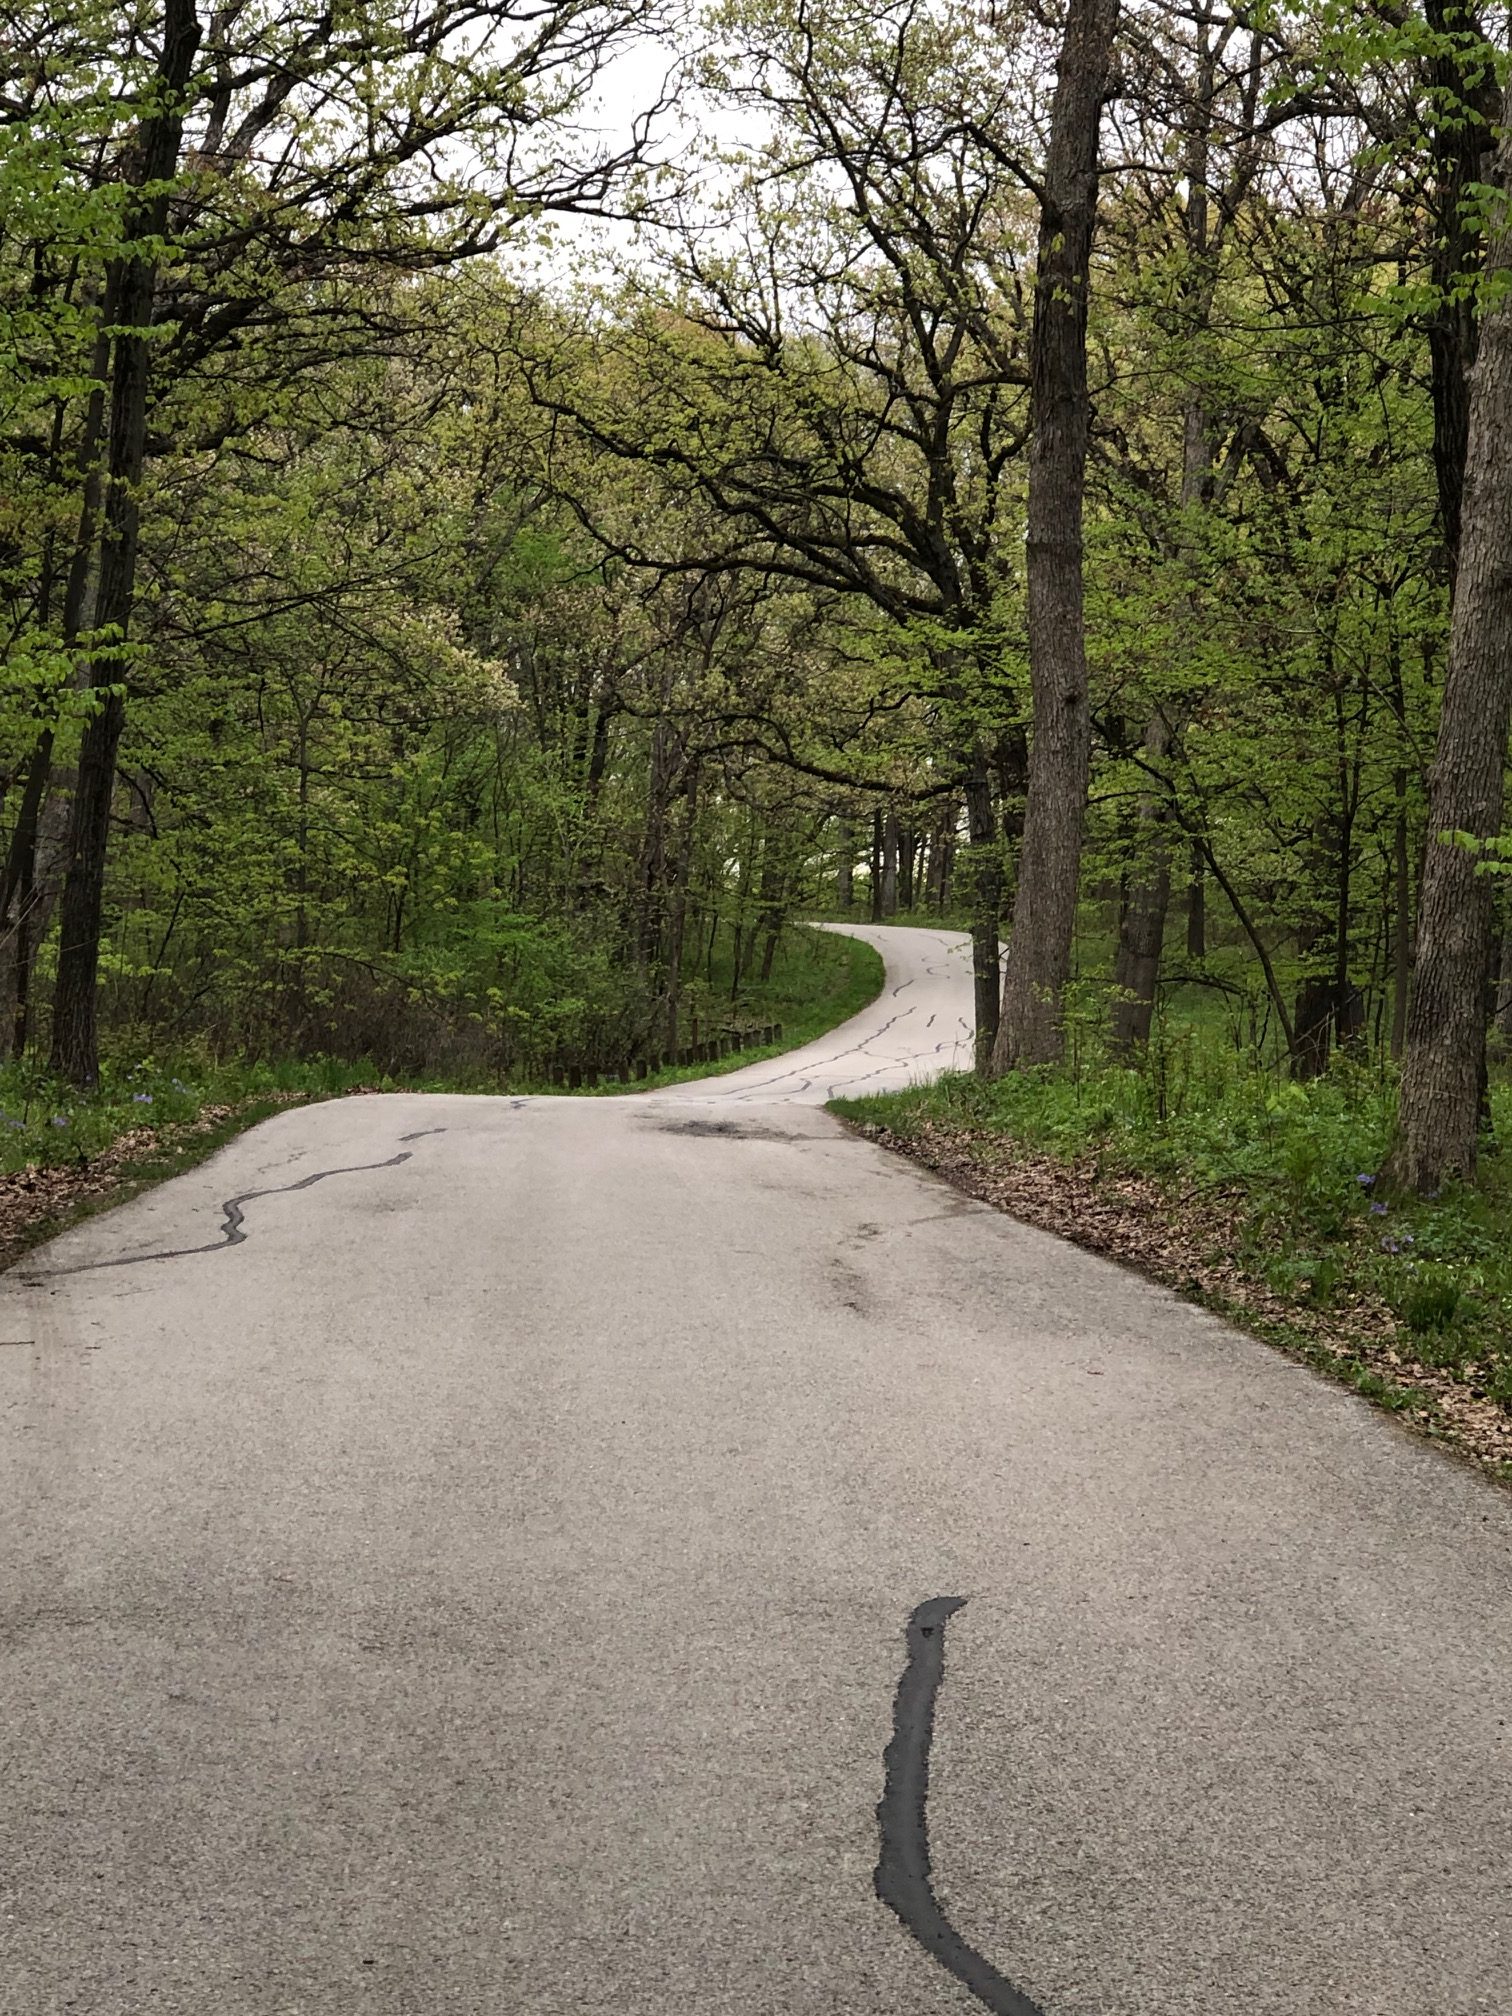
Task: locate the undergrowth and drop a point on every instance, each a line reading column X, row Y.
column 818, row 979
column 1295, row 1162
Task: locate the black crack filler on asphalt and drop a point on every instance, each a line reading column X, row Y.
column 233, row 1220
column 903, row 1875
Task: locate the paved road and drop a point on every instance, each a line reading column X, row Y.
column 921, row 1024
column 484, row 1589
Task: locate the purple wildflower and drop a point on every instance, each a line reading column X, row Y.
column 1364, row 1181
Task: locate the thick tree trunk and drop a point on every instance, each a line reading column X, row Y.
column 1030, row 1029
column 1462, row 99
column 1444, row 1064
column 131, row 289
column 1401, row 923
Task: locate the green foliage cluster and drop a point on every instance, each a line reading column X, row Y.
column 513, row 655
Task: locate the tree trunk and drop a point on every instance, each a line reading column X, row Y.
column 941, row 862
column 130, row 293
column 890, row 865
column 1142, row 919
column 845, row 864
column 984, row 858
column 1446, row 1029
column 29, row 889
column 1312, row 1021
column 1141, row 933
column 1503, row 1022
column 1196, row 907
column 908, row 847
column 875, row 907
column 1462, row 105
column 1401, row 927
column 770, row 904
column 651, row 923
column 41, row 871
column 677, row 907
column 1030, row 1029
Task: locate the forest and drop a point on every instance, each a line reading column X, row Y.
column 510, row 508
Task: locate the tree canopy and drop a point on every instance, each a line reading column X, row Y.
column 1035, row 466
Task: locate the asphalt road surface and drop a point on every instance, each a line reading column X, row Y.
column 486, row 1587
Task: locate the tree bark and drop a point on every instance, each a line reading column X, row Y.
column 1141, row 933
column 1401, row 922
column 29, row 886
column 908, row 847
column 1444, row 1064
column 941, row 861
column 890, row 865
column 1462, row 100
column 984, row 877
column 1196, row 907
column 1503, row 1017
column 845, row 864
column 677, row 905
column 1030, row 1028
column 131, row 290
column 770, row 904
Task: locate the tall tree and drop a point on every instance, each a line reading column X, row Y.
column 1443, row 1071
column 264, row 172
column 130, row 286
column 1030, row 1030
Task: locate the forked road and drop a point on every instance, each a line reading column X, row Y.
column 486, row 1588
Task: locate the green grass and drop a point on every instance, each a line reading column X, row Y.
column 1295, row 1166
column 45, row 1122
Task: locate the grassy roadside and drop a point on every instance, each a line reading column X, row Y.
column 1256, row 1198
column 65, row 1155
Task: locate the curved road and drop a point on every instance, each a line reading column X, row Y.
column 920, row 1025
column 486, row 1588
